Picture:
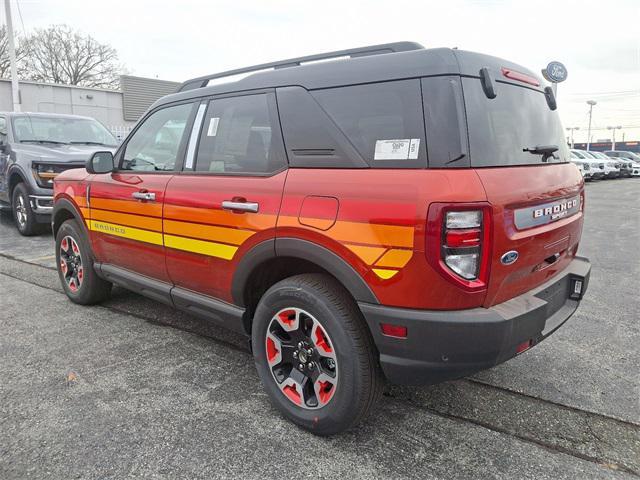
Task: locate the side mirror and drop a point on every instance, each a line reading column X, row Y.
column 100, row 162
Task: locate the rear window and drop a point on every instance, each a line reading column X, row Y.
column 383, row 121
column 518, row 118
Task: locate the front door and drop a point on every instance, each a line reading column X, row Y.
column 228, row 196
column 126, row 205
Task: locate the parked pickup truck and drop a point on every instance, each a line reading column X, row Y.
column 34, row 149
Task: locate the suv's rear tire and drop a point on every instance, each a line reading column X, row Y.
column 342, row 339
column 23, row 215
column 75, row 266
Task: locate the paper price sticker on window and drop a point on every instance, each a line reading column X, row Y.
column 398, row 149
column 213, row 127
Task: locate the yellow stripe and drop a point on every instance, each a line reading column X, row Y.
column 367, row 254
column 116, row 218
column 384, row 274
column 198, row 246
column 207, row 232
column 395, row 258
column 126, row 232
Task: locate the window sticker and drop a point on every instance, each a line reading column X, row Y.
column 397, row 149
column 213, row 126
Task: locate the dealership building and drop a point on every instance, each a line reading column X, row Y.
column 119, row 109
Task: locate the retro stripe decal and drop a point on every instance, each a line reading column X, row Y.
column 126, row 232
column 211, row 249
column 215, row 233
column 233, row 236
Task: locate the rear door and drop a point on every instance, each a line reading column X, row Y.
column 227, row 198
column 126, row 205
column 518, row 150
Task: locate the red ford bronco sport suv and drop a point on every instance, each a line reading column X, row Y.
column 400, row 212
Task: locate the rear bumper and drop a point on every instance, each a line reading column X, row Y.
column 444, row 345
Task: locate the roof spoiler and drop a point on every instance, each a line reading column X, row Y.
column 200, row 82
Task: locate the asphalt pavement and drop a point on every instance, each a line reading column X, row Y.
column 135, row 389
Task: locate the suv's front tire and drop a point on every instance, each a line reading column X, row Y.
column 314, row 354
column 75, row 266
column 23, row 215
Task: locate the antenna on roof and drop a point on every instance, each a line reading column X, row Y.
column 296, row 62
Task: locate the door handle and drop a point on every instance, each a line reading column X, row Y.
column 240, row 206
column 150, row 196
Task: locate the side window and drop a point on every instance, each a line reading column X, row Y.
column 3, row 127
column 155, row 145
column 384, row 121
column 239, row 135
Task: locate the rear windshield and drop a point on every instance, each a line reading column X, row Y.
column 503, row 128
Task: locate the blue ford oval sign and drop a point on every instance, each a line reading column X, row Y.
column 509, row 257
column 555, row 72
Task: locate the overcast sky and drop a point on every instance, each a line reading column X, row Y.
column 598, row 41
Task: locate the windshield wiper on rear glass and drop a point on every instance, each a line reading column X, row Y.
column 33, row 140
column 545, row 150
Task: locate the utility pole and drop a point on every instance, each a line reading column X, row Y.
column 571, row 130
column 15, row 92
column 591, row 103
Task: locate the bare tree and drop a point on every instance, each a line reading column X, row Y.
column 59, row 54
column 5, row 64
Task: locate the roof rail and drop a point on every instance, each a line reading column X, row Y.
column 200, row 82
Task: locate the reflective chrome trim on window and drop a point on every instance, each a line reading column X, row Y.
column 193, row 139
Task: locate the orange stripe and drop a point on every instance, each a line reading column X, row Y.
column 395, row 258
column 128, row 206
column 146, row 223
column 207, row 232
column 84, row 212
column 367, row 233
column 367, row 254
column 252, row 221
column 80, row 200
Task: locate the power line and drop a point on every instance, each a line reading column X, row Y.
column 24, row 30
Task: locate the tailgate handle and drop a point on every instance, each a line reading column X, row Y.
column 552, row 259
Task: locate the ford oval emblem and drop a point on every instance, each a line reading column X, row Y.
column 509, row 257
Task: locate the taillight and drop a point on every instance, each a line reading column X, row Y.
column 462, row 235
column 458, row 240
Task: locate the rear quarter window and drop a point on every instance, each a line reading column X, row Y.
column 501, row 128
column 383, row 121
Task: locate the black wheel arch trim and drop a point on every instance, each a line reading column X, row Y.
column 304, row 250
column 16, row 170
column 66, row 205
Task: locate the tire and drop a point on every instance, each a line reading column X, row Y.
column 23, row 215
column 338, row 398
column 75, row 266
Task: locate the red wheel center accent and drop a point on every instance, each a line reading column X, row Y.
column 293, row 395
column 288, row 317
column 321, row 340
column 326, row 391
column 272, row 350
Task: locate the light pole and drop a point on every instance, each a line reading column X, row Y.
column 613, row 136
column 571, row 130
column 591, row 103
column 15, row 93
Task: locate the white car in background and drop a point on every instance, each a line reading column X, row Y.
column 596, row 166
column 630, row 160
column 583, row 166
column 612, row 166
